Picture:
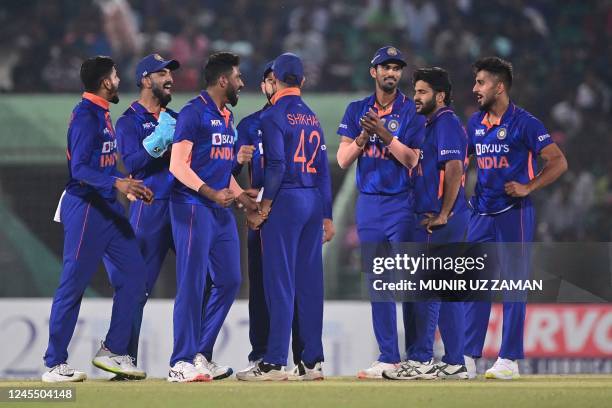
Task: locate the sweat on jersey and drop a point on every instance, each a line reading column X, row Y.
column 445, row 140
column 132, row 128
column 505, row 151
column 294, row 148
column 213, row 136
column 249, row 133
column 378, row 171
column 91, row 150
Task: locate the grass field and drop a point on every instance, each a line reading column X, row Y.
column 579, row 391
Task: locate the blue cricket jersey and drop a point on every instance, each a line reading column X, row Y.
column 213, row 136
column 445, row 139
column 505, row 151
column 91, row 149
column 294, row 148
column 378, row 172
column 249, row 133
column 132, row 128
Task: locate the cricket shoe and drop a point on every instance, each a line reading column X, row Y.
column 451, row 371
column 302, row 372
column 412, row 370
column 470, row 364
column 264, row 372
column 376, row 370
column 184, row 371
column 217, row 372
column 63, row 373
column 122, row 365
column 251, row 365
column 503, row 369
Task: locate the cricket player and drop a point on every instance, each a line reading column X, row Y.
column 203, row 228
column 144, row 133
column 297, row 208
column 95, row 227
column 442, row 216
column 249, row 137
column 383, row 133
column 506, row 140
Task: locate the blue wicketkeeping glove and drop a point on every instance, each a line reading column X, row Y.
column 157, row 142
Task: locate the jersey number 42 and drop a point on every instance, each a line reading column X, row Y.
column 300, row 154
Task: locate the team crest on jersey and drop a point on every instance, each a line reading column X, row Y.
column 392, row 52
column 502, row 133
column 393, row 125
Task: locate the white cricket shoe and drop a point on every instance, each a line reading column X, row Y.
column 503, row 369
column 251, row 365
column 264, row 372
column 376, row 370
column 301, row 372
column 412, row 370
column 184, row 371
column 122, row 365
column 217, row 372
column 470, row 364
column 63, row 373
column 451, row 371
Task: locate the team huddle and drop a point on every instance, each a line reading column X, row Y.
column 179, row 172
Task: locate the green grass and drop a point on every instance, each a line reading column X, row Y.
column 579, row 391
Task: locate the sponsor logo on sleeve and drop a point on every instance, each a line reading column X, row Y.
column 542, row 138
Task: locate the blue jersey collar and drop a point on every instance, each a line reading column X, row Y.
column 509, row 113
column 209, row 104
column 398, row 102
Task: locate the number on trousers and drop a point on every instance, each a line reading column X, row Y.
column 300, row 156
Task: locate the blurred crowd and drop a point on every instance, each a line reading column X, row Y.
column 560, row 50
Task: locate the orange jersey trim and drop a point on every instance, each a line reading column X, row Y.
column 97, row 100
column 285, row 92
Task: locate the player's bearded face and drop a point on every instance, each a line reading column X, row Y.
column 161, row 86
column 425, row 104
column 388, row 76
column 234, row 85
column 112, row 85
column 424, row 98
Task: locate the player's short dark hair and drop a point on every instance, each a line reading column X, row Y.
column 437, row 78
column 218, row 64
column 94, row 70
column 501, row 68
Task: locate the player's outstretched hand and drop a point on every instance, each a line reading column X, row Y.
column 245, row 154
column 329, row 230
column 514, row 189
column 223, row 197
column 134, row 189
column 246, row 201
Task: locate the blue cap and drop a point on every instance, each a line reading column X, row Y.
column 288, row 68
column 153, row 63
column 388, row 54
column 268, row 69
